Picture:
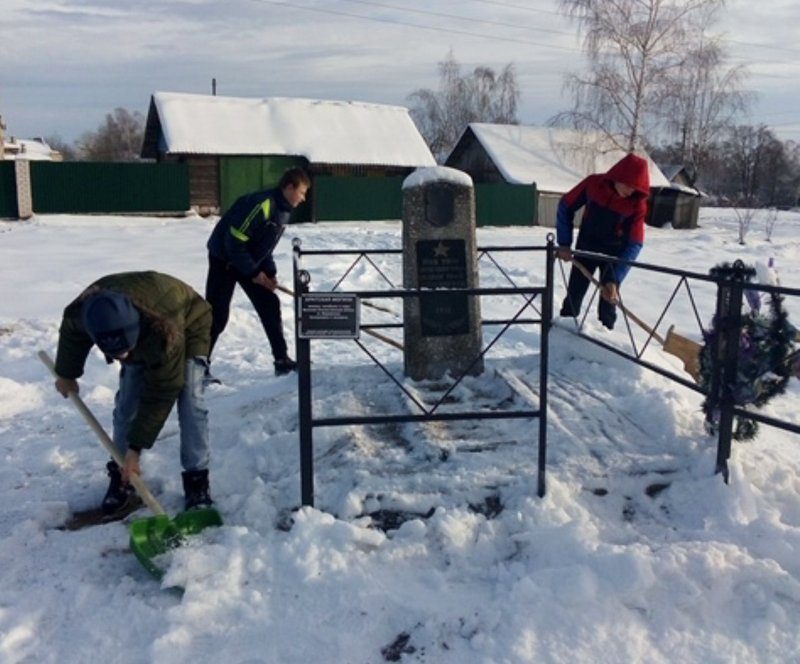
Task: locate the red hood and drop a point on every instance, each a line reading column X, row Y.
column 633, row 171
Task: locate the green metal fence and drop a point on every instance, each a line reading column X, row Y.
column 100, row 187
column 339, row 198
column 8, row 191
column 352, row 198
column 502, row 204
column 86, row 187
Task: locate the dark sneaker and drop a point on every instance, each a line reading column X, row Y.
column 119, row 496
column 195, row 489
column 285, row 366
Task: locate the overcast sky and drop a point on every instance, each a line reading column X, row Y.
column 66, row 63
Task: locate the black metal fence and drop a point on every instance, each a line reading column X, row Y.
column 721, row 376
column 307, row 420
column 717, row 384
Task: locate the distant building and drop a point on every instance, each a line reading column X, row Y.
column 35, row 149
column 356, row 153
column 679, row 203
column 552, row 159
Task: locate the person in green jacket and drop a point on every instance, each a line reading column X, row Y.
column 158, row 328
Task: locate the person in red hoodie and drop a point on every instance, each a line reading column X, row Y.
column 614, row 210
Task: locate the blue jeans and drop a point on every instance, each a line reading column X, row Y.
column 192, row 411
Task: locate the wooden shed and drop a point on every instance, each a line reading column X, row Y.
column 679, row 202
column 551, row 159
column 356, row 153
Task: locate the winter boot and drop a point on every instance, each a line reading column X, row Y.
column 569, row 308
column 119, row 496
column 284, row 366
column 195, row 489
column 607, row 314
column 608, row 321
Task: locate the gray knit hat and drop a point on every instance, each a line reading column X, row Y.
column 111, row 321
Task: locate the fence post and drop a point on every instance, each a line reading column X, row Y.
column 22, row 174
column 303, row 351
column 544, row 361
column 726, row 358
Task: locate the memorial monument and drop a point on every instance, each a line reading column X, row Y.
column 442, row 331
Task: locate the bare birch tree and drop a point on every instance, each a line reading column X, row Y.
column 747, row 151
column 704, row 101
column 635, row 49
column 482, row 96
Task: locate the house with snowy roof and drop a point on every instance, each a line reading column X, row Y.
column 16, row 156
column 356, row 153
column 553, row 160
column 35, row 149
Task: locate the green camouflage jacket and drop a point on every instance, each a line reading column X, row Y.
column 175, row 326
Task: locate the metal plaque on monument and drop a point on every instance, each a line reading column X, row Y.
column 442, row 331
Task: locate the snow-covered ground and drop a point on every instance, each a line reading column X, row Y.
column 427, row 543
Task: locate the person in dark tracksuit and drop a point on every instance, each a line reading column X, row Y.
column 158, row 329
column 240, row 252
column 615, row 208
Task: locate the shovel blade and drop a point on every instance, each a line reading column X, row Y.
column 156, row 535
column 687, row 350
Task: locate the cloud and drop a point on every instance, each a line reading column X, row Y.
column 69, row 62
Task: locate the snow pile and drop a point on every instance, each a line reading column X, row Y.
column 426, row 543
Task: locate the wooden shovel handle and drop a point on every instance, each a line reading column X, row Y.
column 685, row 349
column 105, row 439
column 628, row 313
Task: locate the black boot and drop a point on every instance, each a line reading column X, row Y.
column 284, row 366
column 195, row 489
column 607, row 314
column 570, row 308
column 119, row 496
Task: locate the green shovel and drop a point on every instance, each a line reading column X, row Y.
column 153, row 536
